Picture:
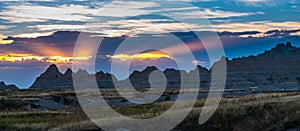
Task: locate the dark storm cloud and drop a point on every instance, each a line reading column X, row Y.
column 237, row 34
column 277, row 33
column 63, row 42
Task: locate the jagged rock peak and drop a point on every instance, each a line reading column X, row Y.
column 2, row 84
column 52, row 79
column 170, row 69
column 284, row 49
column 52, row 71
column 289, row 44
column 68, row 72
column 150, row 68
column 200, row 68
column 143, row 74
column 82, row 72
column 52, row 67
column 9, row 87
column 282, row 45
column 100, row 73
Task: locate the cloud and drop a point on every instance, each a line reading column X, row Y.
column 109, row 17
column 238, row 34
column 260, row 26
column 54, row 48
column 280, row 33
column 3, row 27
column 209, row 13
column 33, row 35
column 29, row 57
column 135, row 27
column 127, row 8
column 140, row 57
column 3, row 41
column 197, row 62
column 262, row 2
column 123, row 27
column 26, row 0
column 50, row 27
column 40, row 13
column 58, row 43
column 295, row 34
column 58, row 47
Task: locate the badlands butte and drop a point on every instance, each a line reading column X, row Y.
column 276, row 69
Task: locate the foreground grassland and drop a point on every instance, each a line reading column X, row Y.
column 273, row 111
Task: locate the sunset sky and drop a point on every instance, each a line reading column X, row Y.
column 35, row 34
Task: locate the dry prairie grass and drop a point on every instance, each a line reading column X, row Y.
column 272, row 111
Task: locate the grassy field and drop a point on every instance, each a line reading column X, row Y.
column 272, row 111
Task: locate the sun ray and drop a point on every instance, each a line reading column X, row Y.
column 48, row 59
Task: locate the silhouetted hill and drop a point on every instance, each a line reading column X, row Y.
column 4, row 87
column 52, row 79
column 275, row 68
column 68, row 74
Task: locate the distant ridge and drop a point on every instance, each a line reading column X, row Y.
column 4, row 87
column 52, row 79
column 278, row 67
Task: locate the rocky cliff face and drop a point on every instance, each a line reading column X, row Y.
column 275, row 68
column 278, row 66
column 140, row 80
column 52, row 79
column 105, row 80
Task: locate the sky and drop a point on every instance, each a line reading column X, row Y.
column 35, row 34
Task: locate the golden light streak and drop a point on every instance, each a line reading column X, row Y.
column 33, row 35
column 45, row 50
column 174, row 50
column 49, row 59
column 142, row 56
column 5, row 42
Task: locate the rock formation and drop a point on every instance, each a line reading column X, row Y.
column 278, row 67
column 4, row 87
column 52, row 79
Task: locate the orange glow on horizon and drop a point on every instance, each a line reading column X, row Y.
column 142, row 56
column 6, row 42
column 49, row 59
